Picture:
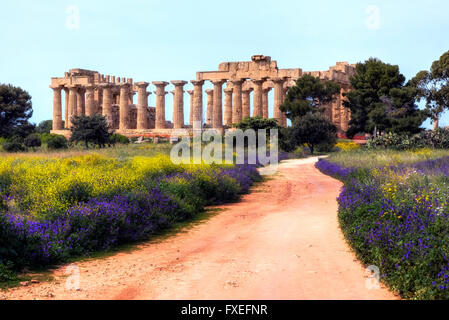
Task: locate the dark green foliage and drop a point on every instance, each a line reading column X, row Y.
column 438, row 139
column 309, row 95
column 15, row 111
column 93, row 129
column 56, row 142
column 257, row 123
column 7, row 273
column 118, row 139
column 380, row 102
column 286, row 141
column 45, row 127
column 312, row 130
column 33, row 141
column 45, row 137
column 13, row 146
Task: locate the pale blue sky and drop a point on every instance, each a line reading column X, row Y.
column 168, row 40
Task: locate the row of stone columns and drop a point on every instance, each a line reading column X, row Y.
column 81, row 100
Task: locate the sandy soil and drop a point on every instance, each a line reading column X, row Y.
column 281, row 242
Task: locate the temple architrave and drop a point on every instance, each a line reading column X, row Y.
column 89, row 92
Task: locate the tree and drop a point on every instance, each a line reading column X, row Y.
column 93, row 129
column 313, row 129
column 257, row 123
column 15, row 111
column 309, row 95
column 433, row 87
column 380, row 101
column 45, row 126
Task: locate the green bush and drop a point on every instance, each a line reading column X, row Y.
column 45, row 137
column 13, row 146
column 56, row 142
column 438, row 139
column 33, row 141
column 118, row 138
column 6, row 272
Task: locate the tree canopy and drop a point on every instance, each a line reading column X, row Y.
column 90, row 129
column 309, row 94
column 380, row 101
column 312, row 129
column 257, row 123
column 433, row 87
column 15, row 111
column 45, row 126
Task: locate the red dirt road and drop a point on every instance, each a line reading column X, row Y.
column 282, row 241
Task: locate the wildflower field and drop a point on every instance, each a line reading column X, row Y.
column 53, row 207
column 394, row 211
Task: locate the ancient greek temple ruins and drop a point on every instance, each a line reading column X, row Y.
column 244, row 87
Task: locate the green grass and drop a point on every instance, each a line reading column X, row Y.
column 379, row 158
column 120, row 151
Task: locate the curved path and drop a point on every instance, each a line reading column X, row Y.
column 281, row 242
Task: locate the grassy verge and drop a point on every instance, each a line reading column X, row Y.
column 394, row 212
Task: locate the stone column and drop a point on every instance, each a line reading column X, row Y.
column 284, row 116
column 258, row 100
column 198, row 104
column 228, row 107
column 90, row 103
column 191, row 93
column 217, row 117
column 66, row 110
column 57, row 108
column 131, row 96
column 107, row 103
column 237, row 107
column 265, row 104
column 336, row 112
column 142, row 105
column 278, row 99
column 160, row 104
column 124, row 106
column 81, row 102
column 210, row 106
column 72, row 104
column 246, row 104
column 178, row 104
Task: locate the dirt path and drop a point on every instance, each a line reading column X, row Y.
column 281, row 242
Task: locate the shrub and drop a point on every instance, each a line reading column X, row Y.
column 13, row 146
column 438, row 139
column 6, row 272
column 45, row 137
column 56, row 142
column 119, row 139
column 33, row 141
